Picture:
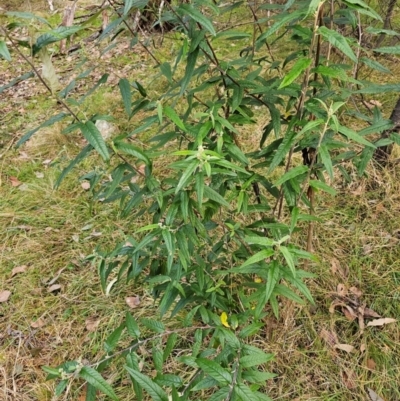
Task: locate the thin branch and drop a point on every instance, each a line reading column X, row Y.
column 16, row 48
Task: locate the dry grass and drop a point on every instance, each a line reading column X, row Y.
column 47, row 231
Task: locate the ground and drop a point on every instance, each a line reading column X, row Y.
column 56, row 310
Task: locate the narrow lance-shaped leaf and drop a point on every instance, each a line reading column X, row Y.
column 349, row 133
column 289, row 259
column 292, row 173
column 215, row 370
column 93, row 136
column 171, row 114
column 198, row 17
column 93, row 377
column 338, row 41
column 125, row 89
column 132, row 150
column 295, row 71
column 154, row 390
column 190, row 64
column 4, row 51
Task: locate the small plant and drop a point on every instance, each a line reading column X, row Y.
column 223, row 216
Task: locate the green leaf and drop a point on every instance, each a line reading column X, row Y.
column 264, row 254
column 93, row 136
column 292, row 173
column 349, row 133
column 93, row 377
column 186, row 175
column 287, row 293
column 190, row 64
column 375, row 65
column 323, row 152
column 128, row 5
column 81, row 156
column 169, row 346
column 388, row 50
column 52, row 120
column 289, row 259
column 131, row 326
column 283, row 19
column 282, row 150
column 26, row 15
column 171, row 114
column 113, row 338
column 255, row 359
column 366, row 156
column 377, row 89
column 154, row 390
column 245, row 394
column 214, row 370
column 4, row 51
column 295, row 71
column 53, row 36
column 198, row 17
column 132, row 150
column 215, row 196
column 133, row 363
column 338, row 41
column 125, row 89
column 322, row 186
column 250, row 330
column 153, row 325
column 272, row 278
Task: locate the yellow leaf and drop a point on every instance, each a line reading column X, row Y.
column 224, row 319
column 257, row 280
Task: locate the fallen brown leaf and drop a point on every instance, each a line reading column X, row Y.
column 329, row 337
column 349, row 313
column 381, row 322
column 341, row 290
column 54, row 288
column 85, row 185
column 132, row 302
column 371, row 364
column 4, row 295
column 336, row 268
column 363, row 347
column 18, row 269
column 349, row 379
column 373, row 396
column 92, row 323
column 355, row 291
column 15, row 182
column 370, row 313
column 345, row 347
column 38, row 323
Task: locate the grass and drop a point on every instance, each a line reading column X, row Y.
column 52, row 232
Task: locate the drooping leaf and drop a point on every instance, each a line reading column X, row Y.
column 215, row 196
column 81, row 156
column 153, row 325
column 190, row 65
column 4, row 51
column 171, row 114
column 132, row 150
column 300, row 65
column 55, row 35
column 52, row 120
column 215, row 370
column 125, row 89
column 339, row 41
column 198, row 17
column 349, row 133
column 322, row 186
column 93, row 377
column 154, row 390
column 112, row 340
column 292, row 173
column 93, row 136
